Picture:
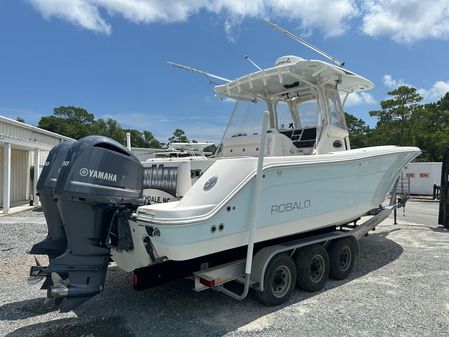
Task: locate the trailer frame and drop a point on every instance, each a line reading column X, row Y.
column 216, row 277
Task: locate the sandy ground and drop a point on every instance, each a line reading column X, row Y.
column 399, row 287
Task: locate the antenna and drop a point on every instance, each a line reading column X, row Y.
column 305, row 43
column 252, row 62
column 198, row 71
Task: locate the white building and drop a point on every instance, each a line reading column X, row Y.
column 423, row 176
column 22, row 147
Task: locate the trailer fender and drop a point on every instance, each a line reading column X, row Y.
column 263, row 256
column 260, row 262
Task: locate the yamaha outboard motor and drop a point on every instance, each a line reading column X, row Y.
column 56, row 242
column 98, row 188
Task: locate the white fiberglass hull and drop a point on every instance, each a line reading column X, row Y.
column 298, row 195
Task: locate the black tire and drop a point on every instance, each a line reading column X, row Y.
column 279, row 281
column 312, row 266
column 342, row 254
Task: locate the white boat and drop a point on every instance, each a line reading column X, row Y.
column 311, row 177
column 284, row 168
column 171, row 173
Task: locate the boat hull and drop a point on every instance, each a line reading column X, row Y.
column 295, row 198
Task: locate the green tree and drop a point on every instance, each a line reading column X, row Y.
column 179, row 136
column 432, row 129
column 143, row 139
column 109, row 128
column 210, row 149
column 395, row 119
column 70, row 121
column 151, row 140
column 77, row 122
column 358, row 131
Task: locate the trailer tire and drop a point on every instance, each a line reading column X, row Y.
column 279, row 281
column 312, row 265
column 342, row 256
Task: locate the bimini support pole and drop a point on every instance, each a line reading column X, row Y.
column 128, row 141
column 253, row 214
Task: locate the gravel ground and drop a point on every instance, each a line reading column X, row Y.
column 399, row 287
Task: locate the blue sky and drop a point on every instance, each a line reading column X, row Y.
column 109, row 56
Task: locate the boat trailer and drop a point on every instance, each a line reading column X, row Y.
column 273, row 264
column 215, row 278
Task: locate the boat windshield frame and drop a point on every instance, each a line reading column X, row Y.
column 329, row 111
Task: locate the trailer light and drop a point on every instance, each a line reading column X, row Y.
column 135, row 280
column 208, row 283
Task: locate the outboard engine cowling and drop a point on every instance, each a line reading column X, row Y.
column 56, row 242
column 99, row 186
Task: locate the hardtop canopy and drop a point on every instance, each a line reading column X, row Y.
column 290, row 77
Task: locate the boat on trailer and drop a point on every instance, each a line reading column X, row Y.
column 171, row 173
column 263, row 211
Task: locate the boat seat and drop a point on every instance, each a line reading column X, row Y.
column 248, row 145
column 301, row 138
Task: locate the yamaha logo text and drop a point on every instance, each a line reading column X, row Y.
column 84, row 172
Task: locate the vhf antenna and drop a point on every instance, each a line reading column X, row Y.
column 305, row 43
column 252, row 62
column 198, row 71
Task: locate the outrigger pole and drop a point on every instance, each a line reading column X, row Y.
column 194, row 70
column 305, row 43
column 252, row 62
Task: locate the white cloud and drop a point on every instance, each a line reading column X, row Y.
column 406, row 21
column 83, row 13
column 438, row 90
column 435, row 92
column 389, row 81
column 392, row 83
column 360, row 98
column 329, row 16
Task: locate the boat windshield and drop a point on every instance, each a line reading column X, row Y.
column 297, row 114
column 336, row 113
column 246, row 119
column 307, row 113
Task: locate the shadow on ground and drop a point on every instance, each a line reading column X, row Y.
column 75, row 327
column 174, row 309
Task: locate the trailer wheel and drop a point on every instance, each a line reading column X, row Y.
column 341, row 256
column 312, row 265
column 279, row 281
